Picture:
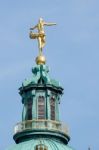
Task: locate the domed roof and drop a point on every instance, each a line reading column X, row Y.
column 51, row 144
column 40, row 72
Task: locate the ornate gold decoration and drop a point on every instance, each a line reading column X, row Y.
column 40, row 60
column 40, row 36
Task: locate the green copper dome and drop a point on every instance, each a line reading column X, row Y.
column 40, row 128
column 50, row 143
column 40, row 72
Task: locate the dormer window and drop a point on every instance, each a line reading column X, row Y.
column 41, row 147
column 52, row 107
column 41, row 107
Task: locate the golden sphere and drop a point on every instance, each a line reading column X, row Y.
column 40, row 60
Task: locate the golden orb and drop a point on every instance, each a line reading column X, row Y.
column 40, row 60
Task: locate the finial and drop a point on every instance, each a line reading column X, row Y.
column 40, row 36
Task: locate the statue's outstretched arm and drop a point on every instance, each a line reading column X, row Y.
column 33, row 27
column 49, row 24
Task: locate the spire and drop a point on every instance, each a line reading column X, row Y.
column 40, row 127
column 40, row 98
column 40, row 36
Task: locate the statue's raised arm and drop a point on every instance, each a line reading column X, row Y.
column 49, row 24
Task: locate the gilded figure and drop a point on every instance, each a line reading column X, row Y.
column 40, row 35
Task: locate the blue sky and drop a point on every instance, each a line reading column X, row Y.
column 72, row 53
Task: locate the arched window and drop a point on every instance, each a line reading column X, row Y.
column 41, row 147
column 29, row 110
column 52, row 107
column 41, row 107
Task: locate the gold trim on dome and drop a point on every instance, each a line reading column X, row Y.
column 40, row 60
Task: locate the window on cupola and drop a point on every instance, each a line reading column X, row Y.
column 52, row 107
column 41, row 107
column 29, row 110
column 41, row 147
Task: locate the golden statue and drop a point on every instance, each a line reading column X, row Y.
column 40, row 36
